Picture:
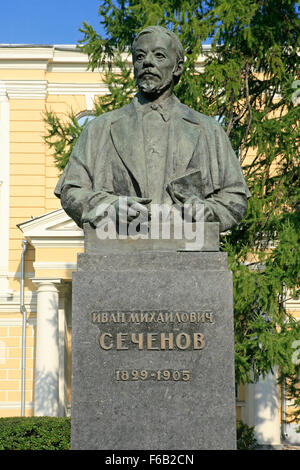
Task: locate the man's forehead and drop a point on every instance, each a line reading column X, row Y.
column 153, row 40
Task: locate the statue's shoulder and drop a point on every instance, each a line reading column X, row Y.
column 204, row 121
column 107, row 118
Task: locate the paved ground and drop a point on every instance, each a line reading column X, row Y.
column 291, row 447
column 281, row 447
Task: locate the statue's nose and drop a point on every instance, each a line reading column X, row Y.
column 148, row 59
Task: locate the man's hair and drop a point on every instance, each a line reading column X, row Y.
column 162, row 31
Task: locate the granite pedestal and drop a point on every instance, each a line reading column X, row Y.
column 152, row 351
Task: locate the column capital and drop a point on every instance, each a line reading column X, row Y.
column 46, row 280
column 47, row 284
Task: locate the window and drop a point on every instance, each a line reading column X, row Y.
column 84, row 117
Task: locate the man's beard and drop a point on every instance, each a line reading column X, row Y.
column 150, row 87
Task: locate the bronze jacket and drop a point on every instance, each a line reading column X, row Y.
column 108, row 161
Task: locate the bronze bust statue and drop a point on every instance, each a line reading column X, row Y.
column 155, row 149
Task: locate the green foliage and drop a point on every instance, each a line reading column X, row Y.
column 45, row 433
column 245, row 437
column 62, row 136
column 249, row 83
column 37, row 433
column 121, row 87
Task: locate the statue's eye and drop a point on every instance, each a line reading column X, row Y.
column 159, row 55
column 140, row 56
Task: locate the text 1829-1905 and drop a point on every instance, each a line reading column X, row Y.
column 157, row 375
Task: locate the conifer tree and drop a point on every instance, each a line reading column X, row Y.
column 250, row 83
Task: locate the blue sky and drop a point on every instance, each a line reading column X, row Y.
column 46, row 22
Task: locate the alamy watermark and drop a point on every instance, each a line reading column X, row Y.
column 126, row 219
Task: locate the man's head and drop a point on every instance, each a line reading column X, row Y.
column 158, row 59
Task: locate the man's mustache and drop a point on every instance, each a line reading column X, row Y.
column 148, row 72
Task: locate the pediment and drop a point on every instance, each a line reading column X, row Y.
column 66, row 225
column 53, row 228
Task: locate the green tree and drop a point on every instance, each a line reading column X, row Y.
column 250, row 84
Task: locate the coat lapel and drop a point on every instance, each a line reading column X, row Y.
column 184, row 135
column 127, row 137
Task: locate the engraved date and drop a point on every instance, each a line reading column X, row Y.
column 163, row 375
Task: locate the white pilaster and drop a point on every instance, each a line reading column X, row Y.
column 263, row 410
column 89, row 99
column 4, row 188
column 64, row 301
column 46, row 392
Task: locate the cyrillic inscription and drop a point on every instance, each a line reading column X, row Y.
column 152, row 330
column 151, row 341
column 153, row 317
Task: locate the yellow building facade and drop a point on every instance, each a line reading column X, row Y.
column 39, row 243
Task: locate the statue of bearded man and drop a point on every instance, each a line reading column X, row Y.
column 155, row 150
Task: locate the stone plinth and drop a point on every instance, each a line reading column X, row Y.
column 207, row 240
column 152, row 351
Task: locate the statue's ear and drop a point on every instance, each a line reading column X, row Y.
column 178, row 69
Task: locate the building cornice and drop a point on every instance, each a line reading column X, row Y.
column 28, row 57
column 55, row 58
column 29, row 89
column 39, row 89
